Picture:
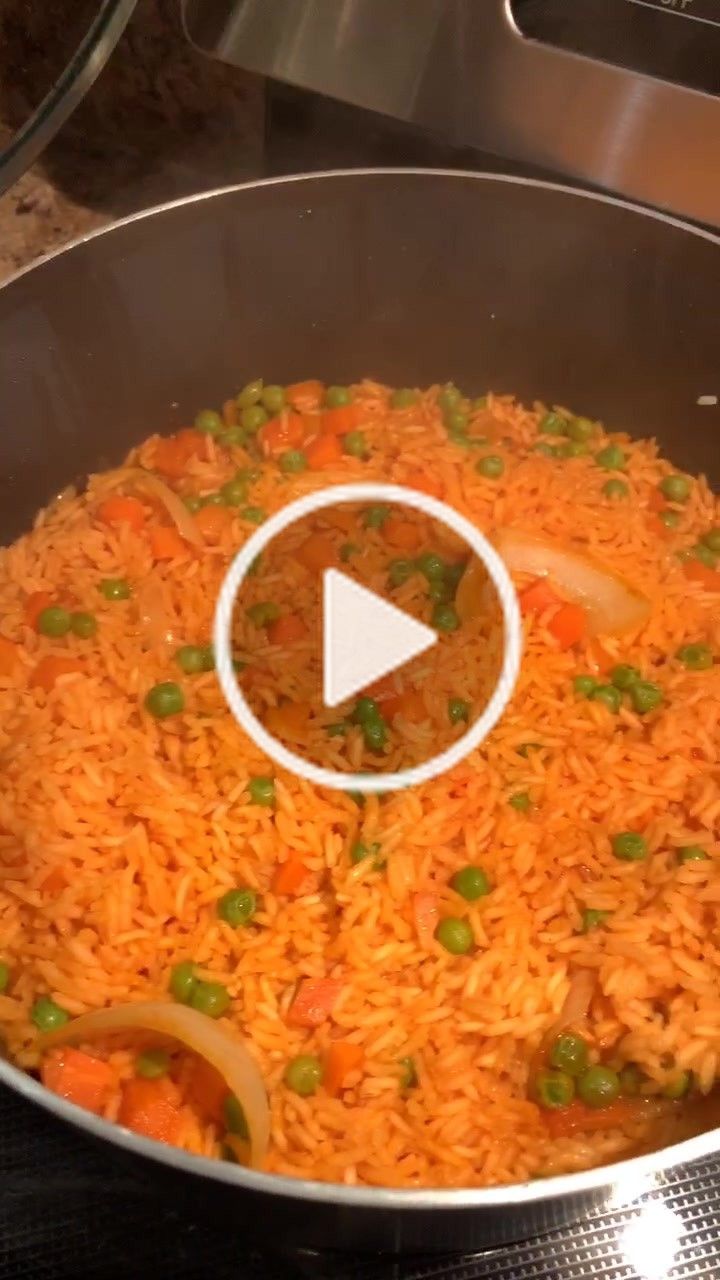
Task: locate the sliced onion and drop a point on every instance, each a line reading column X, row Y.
column 197, row 1032
column 577, row 1001
column 174, row 505
column 613, row 606
column 156, row 627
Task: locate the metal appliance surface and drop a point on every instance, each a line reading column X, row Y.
column 409, row 276
column 623, row 94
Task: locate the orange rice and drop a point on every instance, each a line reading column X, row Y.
column 120, row 832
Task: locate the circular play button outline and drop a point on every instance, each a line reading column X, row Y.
column 364, row 492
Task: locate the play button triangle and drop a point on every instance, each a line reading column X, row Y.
column 364, row 637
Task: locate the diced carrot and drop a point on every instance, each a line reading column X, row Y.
column 151, row 1108
column 569, row 625
column 55, row 881
column 410, row 705
column 50, row 668
column 702, row 573
column 579, row 1118
column 314, row 1001
column 230, row 413
column 538, row 596
column 173, row 453
column 166, row 543
column 286, row 629
column 656, row 526
column 213, row 521
column 88, row 1082
column 206, row 1091
column 119, row 509
column 305, row 395
column 425, row 483
column 287, row 431
column 341, row 1059
column 289, row 720
column 290, row 877
column 337, row 422
column 324, row 451
column 34, row 606
column 317, row 553
column 599, row 659
column 9, row 657
column 425, row 914
column 401, row 534
column 657, row 501
column 340, row 517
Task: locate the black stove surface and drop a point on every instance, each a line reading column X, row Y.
column 75, row 1209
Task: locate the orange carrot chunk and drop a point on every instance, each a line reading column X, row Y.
column 425, row 914
column 342, row 1058
column 213, row 521
column 314, row 1001
column 34, row 606
column 284, row 432
column 206, row 1092
column 88, row 1082
column 290, row 877
column 151, row 1108
column 325, row 451
column 425, row 483
column 317, row 553
column 166, row 543
column 121, row 510
column 289, row 719
column 51, row 668
column 305, row 396
column 538, row 596
column 286, row 629
column 410, row 705
column 337, row 422
column 702, row 573
column 401, row 534
column 173, row 453
column 9, row 657
column 569, row 625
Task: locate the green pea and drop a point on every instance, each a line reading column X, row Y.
column 449, row 398
column 292, row 462
column 183, row 981
column 262, row 791
column 585, row 685
column 193, row 502
column 580, row 429
column 615, row 488
column 445, row 618
column 349, row 549
column 431, row 566
column 704, row 555
column 553, row 424
column 547, row 450
column 165, row 699
column 235, row 1119
column 645, row 696
column 115, row 589
column 624, row 676
column 237, row 907
column 272, row 398
column 365, row 709
column 355, row 444
column 712, row 540
column 399, row 571
column 357, row 798
column 232, row 437
column 455, row 935
column 254, row 568
column 360, row 851
column 4, row 975
column 554, row 1089
column 53, row 621
column 520, row 801
column 253, row 418
column 409, row 1075
column 195, row 658
column 569, row 1053
column 440, row 591
column 376, row 516
column 47, row 1015
column 234, row 493
column 572, row 449
column 696, row 657
column 609, row 696
column 454, row 573
column 458, row 711
column 692, row 853
column 629, row 846
column 611, row 458
column 338, row 397
column 253, row 515
column 479, row 403
column 671, row 519
column 598, row 1086
column 209, row 422
column 592, row 918
column 491, row 467
column 403, row 398
column 631, row 1080
column 337, row 730
column 212, row 500
column 83, row 625
column 375, row 734
column 675, row 488
column 678, row 1086
column 456, row 422
column 471, row 883
column 262, row 613
column 304, row 1074
column 250, row 394
column 151, row 1064
column 210, row 998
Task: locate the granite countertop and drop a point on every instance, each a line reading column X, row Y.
column 160, row 122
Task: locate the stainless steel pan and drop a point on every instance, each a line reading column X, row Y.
column 412, row 277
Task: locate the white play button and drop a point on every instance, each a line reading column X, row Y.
column 364, row 637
